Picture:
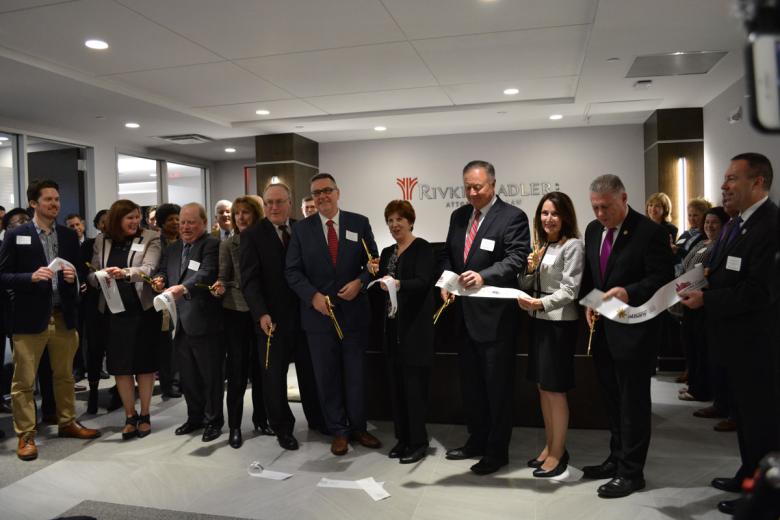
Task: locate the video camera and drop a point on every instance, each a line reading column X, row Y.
column 762, row 21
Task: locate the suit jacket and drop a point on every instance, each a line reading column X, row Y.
column 262, row 261
column 489, row 319
column 309, row 269
column 31, row 304
column 230, row 273
column 641, row 262
column 198, row 311
column 415, row 270
column 139, row 263
column 741, row 303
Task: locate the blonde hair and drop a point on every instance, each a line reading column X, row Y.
column 662, row 199
column 701, row 204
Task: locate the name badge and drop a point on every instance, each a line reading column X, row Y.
column 549, row 259
column 700, row 251
column 681, row 241
column 487, row 244
column 351, row 235
column 193, row 265
column 23, row 240
column 137, row 247
column 733, row 263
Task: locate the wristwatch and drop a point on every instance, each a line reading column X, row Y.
column 126, row 271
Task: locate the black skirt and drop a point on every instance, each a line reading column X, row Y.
column 551, row 354
column 131, row 343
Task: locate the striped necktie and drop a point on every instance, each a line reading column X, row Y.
column 472, row 235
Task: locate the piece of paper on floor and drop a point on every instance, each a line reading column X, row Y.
column 373, row 488
column 257, row 470
column 341, row 484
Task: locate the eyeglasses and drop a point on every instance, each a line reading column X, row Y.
column 323, row 191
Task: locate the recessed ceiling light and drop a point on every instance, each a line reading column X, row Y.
column 511, row 91
column 262, row 112
column 132, row 125
column 380, row 128
column 556, row 117
column 98, row 45
column 678, row 53
column 230, row 150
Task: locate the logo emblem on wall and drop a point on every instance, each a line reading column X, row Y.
column 407, row 185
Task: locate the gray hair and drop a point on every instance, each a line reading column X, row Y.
column 222, row 202
column 279, row 185
column 607, row 183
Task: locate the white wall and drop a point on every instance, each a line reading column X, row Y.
column 366, row 171
column 722, row 140
column 227, row 179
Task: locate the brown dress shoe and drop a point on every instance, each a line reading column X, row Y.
column 27, row 449
column 709, row 412
column 726, row 425
column 76, row 431
column 339, row 446
column 367, row 440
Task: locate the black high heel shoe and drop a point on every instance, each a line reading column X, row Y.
column 535, row 463
column 143, row 419
column 131, row 421
column 557, row 470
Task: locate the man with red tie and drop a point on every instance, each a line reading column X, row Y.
column 326, row 262
column 487, row 244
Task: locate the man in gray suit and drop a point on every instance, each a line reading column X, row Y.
column 188, row 268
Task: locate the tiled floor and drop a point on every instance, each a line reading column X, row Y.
column 182, row 473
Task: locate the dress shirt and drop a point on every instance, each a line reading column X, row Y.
column 482, row 214
column 50, row 247
column 752, row 209
column 287, row 223
column 324, row 221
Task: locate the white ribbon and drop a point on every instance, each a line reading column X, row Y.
column 110, row 292
column 449, row 281
column 58, row 263
column 166, row 302
column 389, row 282
column 663, row 298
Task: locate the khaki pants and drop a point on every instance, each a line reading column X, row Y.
column 28, row 349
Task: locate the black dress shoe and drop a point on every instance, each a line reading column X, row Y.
column 726, row 484
column 264, row 429
column 235, row 439
column 563, row 463
column 621, row 487
column 188, row 427
column 104, row 374
column 397, row 451
column 534, row 463
column 211, row 432
column 607, row 469
column 729, row 507
column 414, row 454
column 488, row 465
column 464, row 452
column 287, row 441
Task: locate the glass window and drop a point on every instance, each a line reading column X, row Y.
column 8, row 198
column 137, row 179
column 185, row 183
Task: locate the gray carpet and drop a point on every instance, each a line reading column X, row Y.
column 109, row 511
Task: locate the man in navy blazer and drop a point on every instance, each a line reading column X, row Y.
column 487, row 244
column 44, row 313
column 326, row 258
column 188, row 268
column 741, row 307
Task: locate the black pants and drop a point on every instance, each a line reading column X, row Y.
column 241, row 363
column 307, row 384
column 274, row 377
column 96, row 333
column 166, row 363
column 338, row 370
column 200, row 362
column 79, row 359
column 694, row 340
column 625, row 385
column 487, row 381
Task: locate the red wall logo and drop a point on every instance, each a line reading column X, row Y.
column 407, row 185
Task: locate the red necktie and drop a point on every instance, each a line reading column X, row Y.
column 333, row 242
column 472, row 235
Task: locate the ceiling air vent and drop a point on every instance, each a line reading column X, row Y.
column 186, row 138
column 675, row 63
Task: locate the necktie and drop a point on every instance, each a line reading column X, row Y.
column 286, row 235
column 472, row 234
column 735, row 227
column 606, row 250
column 727, row 234
column 333, row 242
column 185, row 257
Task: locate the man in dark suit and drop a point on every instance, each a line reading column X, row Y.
column 487, row 244
column 44, row 312
column 326, row 259
column 628, row 257
column 273, row 305
column 188, row 268
column 741, row 309
column 224, row 223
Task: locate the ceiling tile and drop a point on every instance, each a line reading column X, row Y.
column 534, row 53
column 57, row 33
column 340, row 71
column 261, row 28
column 202, row 85
column 435, row 18
column 279, row 109
column 384, row 100
column 14, row 5
column 543, row 88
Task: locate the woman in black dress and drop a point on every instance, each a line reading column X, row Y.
column 128, row 254
column 554, row 275
column 408, row 337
